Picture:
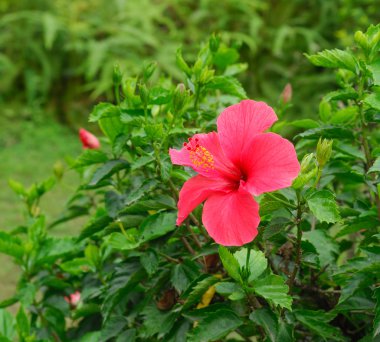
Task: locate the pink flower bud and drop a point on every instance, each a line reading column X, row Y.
column 88, row 139
column 286, row 94
column 73, row 299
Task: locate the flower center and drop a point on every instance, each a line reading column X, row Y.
column 199, row 156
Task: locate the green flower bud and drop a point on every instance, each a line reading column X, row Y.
column 148, row 70
column 206, row 76
column 324, row 150
column 180, row 98
column 361, row 39
column 214, row 42
column 324, row 111
column 58, row 170
column 308, row 171
column 129, row 87
column 144, row 94
column 307, row 162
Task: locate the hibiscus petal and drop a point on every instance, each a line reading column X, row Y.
column 195, row 191
column 238, row 124
column 269, row 164
column 231, row 218
column 208, row 159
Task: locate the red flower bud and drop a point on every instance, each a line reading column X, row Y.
column 88, row 139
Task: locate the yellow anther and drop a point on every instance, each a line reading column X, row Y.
column 202, row 158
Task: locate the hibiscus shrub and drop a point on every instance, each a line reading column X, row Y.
column 280, row 251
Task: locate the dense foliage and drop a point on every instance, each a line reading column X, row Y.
column 311, row 274
column 59, row 55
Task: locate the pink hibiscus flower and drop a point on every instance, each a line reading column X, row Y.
column 88, row 139
column 232, row 165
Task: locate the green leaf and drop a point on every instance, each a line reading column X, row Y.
column 51, row 25
column 17, row 187
column 94, row 226
column 225, row 56
column 92, row 254
column 274, row 227
column 230, row 263
column 114, row 203
column 335, row 59
column 90, row 157
column 274, row 289
column 7, row 325
column 123, row 242
column 142, row 161
column 375, row 69
column 90, row 337
column 198, row 290
column 183, row 274
column 85, row 310
column 328, row 132
column 157, row 225
column 257, row 262
column 324, row 245
column 323, row 205
column 376, row 166
column 107, row 170
column 341, row 94
column 317, row 321
column 305, row 123
column 376, row 320
column 55, row 319
column 77, row 266
column 103, row 110
column 215, row 326
column 159, row 95
column 23, row 326
column 269, row 203
column 234, row 69
column 231, row 290
column 109, row 119
column 8, row 302
column 112, row 328
column 227, row 85
column 156, row 322
column 182, row 65
column 373, row 100
column 266, row 319
column 11, row 245
column 344, row 116
column 349, row 150
column 146, row 187
column 149, row 260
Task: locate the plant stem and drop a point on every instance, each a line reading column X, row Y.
column 120, row 224
column 197, row 93
column 247, row 259
column 298, row 247
column 117, row 94
column 197, row 242
column 169, row 258
column 367, row 150
column 187, row 245
column 319, row 175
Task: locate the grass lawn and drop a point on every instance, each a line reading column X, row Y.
column 28, row 151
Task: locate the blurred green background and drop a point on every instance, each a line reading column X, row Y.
column 57, row 58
